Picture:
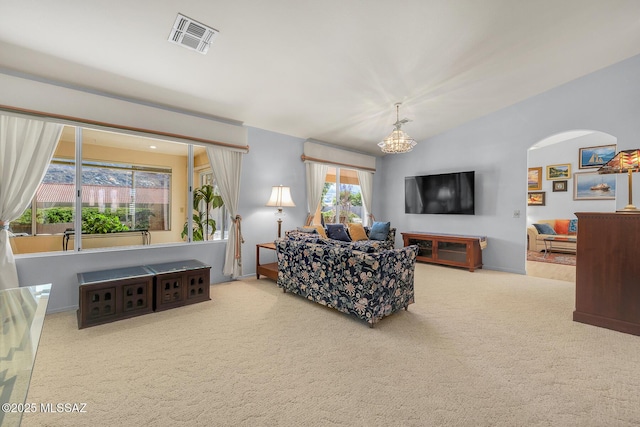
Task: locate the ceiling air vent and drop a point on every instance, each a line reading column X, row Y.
column 191, row 34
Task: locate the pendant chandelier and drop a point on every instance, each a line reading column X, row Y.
column 398, row 141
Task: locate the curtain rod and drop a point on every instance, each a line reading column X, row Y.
column 79, row 120
column 313, row 159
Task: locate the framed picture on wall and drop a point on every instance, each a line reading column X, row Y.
column 534, row 179
column 559, row 185
column 594, row 157
column 594, row 186
column 559, row 171
column 536, row 198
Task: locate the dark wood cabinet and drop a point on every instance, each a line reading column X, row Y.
column 447, row 249
column 180, row 283
column 120, row 293
column 108, row 295
column 608, row 271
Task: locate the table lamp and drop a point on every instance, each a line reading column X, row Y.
column 625, row 161
column 280, row 197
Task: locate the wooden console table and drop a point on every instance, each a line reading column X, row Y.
column 607, row 271
column 448, row 249
column 269, row 270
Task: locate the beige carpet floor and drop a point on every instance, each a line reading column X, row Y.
column 476, row 349
column 552, row 271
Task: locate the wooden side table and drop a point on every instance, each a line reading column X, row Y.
column 268, row 270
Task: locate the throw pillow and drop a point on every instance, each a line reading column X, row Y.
column 562, row 226
column 311, row 230
column 573, row 226
column 356, row 231
column 320, row 230
column 337, row 232
column 379, row 230
column 544, row 229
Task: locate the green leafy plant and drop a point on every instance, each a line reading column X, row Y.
column 143, row 216
column 94, row 222
column 57, row 215
column 25, row 218
column 204, row 200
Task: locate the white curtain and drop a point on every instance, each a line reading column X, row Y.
column 26, row 149
column 227, row 167
column 316, row 177
column 366, row 189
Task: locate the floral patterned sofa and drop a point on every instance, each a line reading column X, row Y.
column 369, row 286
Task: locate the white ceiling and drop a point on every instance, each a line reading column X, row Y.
column 329, row 70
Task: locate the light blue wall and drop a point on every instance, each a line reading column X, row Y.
column 562, row 204
column 273, row 159
column 495, row 146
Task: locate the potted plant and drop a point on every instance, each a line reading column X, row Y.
column 204, row 200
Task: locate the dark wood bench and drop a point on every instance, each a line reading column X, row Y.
column 120, row 293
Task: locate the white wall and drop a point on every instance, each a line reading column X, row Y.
column 496, row 146
column 20, row 91
column 562, row 204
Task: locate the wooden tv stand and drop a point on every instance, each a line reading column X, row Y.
column 448, row 249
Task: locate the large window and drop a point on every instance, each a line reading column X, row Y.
column 124, row 197
column 341, row 197
column 133, row 190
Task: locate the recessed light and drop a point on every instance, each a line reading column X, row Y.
column 153, row 147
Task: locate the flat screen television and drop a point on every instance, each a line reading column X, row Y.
column 447, row 193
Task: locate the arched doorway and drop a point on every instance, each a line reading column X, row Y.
column 559, row 166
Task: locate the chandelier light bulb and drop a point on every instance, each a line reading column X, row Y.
column 398, row 141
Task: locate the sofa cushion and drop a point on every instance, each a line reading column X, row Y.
column 562, row 226
column 544, row 229
column 573, row 227
column 320, row 230
column 379, row 230
column 305, row 236
column 357, row 232
column 311, row 230
column 337, row 232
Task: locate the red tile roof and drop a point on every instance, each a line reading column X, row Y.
column 92, row 195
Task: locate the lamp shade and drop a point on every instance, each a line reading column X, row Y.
column 626, row 161
column 623, row 162
column 280, row 197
